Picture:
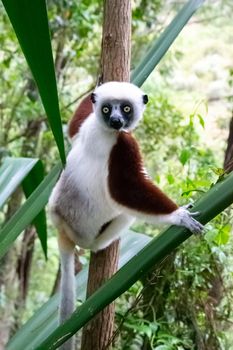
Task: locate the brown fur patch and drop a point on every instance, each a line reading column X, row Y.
column 82, row 112
column 128, row 185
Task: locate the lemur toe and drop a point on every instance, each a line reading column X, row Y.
column 196, row 213
column 196, row 227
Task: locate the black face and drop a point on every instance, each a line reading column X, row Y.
column 117, row 115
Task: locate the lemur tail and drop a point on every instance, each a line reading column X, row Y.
column 67, row 286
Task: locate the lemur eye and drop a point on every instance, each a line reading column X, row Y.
column 105, row 110
column 126, row 109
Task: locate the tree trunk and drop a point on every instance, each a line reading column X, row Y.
column 115, row 66
column 8, row 280
column 228, row 161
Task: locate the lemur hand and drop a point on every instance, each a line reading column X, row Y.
column 184, row 218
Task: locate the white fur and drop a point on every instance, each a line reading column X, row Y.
column 112, row 232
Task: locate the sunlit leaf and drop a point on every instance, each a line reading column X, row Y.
column 223, row 235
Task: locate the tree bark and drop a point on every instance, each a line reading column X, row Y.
column 228, row 161
column 8, row 280
column 115, row 66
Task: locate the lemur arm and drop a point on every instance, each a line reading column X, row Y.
column 131, row 188
column 82, row 112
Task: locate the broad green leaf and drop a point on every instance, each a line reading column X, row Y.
column 30, row 22
column 211, row 204
column 44, row 321
column 12, row 173
column 160, row 47
column 30, row 173
column 30, row 183
column 28, row 211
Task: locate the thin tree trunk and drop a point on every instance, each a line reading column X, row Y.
column 115, row 66
column 8, row 280
column 228, row 161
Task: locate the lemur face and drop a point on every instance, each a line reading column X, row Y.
column 117, row 114
column 118, row 106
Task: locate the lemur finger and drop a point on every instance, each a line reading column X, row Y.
column 196, row 213
column 196, row 227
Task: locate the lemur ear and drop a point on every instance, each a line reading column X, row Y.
column 145, row 99
column 93, row 97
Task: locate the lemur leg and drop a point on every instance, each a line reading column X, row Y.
column 112, row 232
column 67, row 287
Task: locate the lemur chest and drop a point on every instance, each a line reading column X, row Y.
column 91, row 178
column 88, row 197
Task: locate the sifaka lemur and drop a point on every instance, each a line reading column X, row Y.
column 104, row 185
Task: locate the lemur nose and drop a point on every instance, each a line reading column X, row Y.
column 116, row 123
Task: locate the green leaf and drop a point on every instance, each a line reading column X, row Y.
column 45, row 320
column 160, row 47
column 30, row 183
column 218, row 171
column 12, row 172
column 30, row 173
column 30, row 22
column 185, row 156
column 223, row 235
column 28, row 211
column 201, row 120
column 170, row 179
column 211, row 204
column 164, row 347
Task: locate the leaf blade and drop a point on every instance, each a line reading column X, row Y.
column 30, row 23
column 30, row 183
column 28, row 211
column 12, row 172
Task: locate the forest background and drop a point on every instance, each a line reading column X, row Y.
column 187, row 302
